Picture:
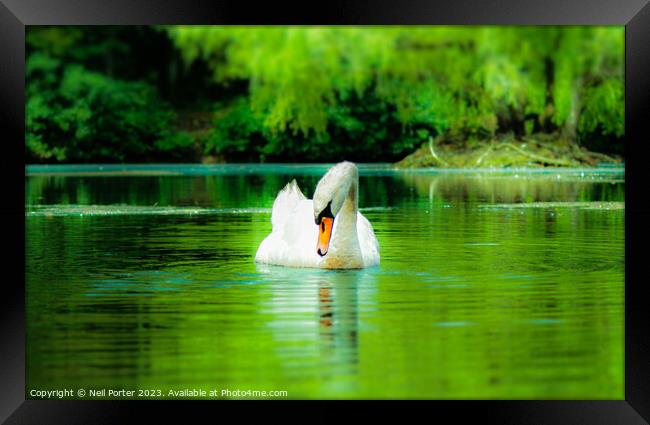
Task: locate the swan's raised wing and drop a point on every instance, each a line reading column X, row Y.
column 285, row 203
column 292, row 241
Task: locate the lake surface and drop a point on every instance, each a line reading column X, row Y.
column 491, row 285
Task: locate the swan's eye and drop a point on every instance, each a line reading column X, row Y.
column 327, row 212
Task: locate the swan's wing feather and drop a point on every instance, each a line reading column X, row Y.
column 285, row 203
column 294, row 242
column 293, row 238
column 300, row 234
column 367, row 241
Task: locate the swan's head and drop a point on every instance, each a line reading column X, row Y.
column 330, row 194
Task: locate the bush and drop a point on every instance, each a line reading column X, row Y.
column 359, row 129
column 238, row 132
column 74, row 115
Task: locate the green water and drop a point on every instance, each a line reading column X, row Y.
column 491, row 285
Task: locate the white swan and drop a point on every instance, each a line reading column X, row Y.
column 328, row 232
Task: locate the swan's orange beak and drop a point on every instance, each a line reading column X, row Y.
column 324, row 235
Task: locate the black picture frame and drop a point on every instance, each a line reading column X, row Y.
column 634, row 14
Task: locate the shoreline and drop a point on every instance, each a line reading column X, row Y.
column 506, row 151
column 189, row 169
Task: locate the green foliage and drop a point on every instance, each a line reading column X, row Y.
column 235, row 132
column 461, row 79
column 174, row 143
column 75, row 114
column 240, row 134
column 87, row 116
column 604, row 109
column 314, row 93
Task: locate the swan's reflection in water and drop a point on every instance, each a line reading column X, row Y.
column 338, row 322
column 321, row 306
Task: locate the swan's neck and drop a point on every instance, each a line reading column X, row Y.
column 345, row 246
column 351, row 204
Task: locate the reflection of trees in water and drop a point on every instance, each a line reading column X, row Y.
column 511, row 189
column 259, row 191
column 98, row 285
column 209, row 191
